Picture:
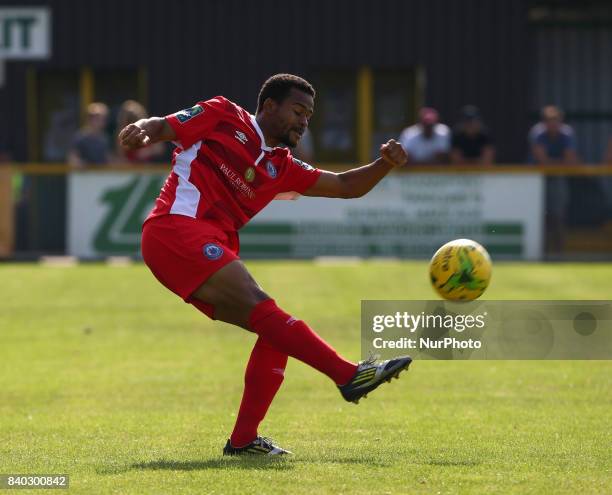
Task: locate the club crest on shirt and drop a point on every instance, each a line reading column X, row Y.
column 271, row 170
column 189, row 113
column 212, row 251
column 249, row 174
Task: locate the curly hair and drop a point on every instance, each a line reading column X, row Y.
column 279, row 86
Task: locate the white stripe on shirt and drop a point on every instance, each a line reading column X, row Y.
column 187, row 196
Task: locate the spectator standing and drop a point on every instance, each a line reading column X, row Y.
column 552, row 142
column 91, row 144
column 130, row 112
column 471, row 142
column 428, row 141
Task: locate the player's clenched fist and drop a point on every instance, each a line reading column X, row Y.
column 393, row 153
column 133, row 137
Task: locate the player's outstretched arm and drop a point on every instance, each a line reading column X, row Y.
column 359, row 181
column 145, row 132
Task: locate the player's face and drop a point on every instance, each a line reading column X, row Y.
column 292, row 117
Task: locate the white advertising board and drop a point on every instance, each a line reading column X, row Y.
column 406, row 215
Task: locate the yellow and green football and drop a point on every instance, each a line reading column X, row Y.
column 460, row 270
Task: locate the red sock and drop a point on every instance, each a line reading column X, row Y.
column 262, row 379
column 295, row 338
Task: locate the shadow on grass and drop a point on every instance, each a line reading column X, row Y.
column 272, row 463
column 447, row 462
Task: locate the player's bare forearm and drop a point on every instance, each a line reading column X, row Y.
column 145, row 132
column 359, row 181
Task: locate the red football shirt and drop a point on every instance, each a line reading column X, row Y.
column 222, row 169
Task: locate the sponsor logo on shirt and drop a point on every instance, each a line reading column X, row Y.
column 189, row 113
column 302, row 164
column 249, row 174
column 271, row 170
column 212, row 251
column 236, row 181
column 240, row 136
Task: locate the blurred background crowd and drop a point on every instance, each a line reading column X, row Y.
column 429, row 141
column 498, row 85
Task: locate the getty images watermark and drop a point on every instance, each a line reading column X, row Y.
column 487, row 329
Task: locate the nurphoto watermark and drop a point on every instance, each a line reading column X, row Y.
column 487, row 329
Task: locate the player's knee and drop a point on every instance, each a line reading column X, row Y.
column 251, row 297
column 236, row 306
column 233, row 293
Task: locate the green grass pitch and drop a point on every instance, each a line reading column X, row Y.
column 109, row 378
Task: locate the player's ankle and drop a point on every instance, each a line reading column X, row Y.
column 239, row 443
column 347, row 375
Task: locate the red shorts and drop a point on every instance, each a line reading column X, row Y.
column 183, row 252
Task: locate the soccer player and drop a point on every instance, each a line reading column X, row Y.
column 227, row 166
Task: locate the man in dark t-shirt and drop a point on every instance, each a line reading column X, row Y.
column 471, row 142
column 553, row 142
column 91, row 145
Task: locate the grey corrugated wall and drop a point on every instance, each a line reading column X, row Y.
column 473, row 51
column 573, row 68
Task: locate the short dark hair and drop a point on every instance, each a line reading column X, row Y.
column 279, row 86
column 552, row 112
